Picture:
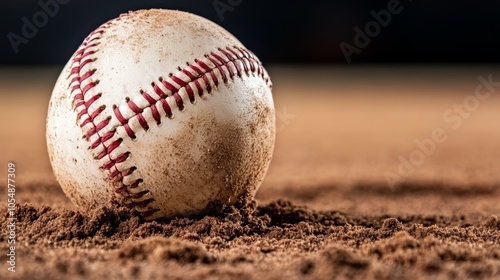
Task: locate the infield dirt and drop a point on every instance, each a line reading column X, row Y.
column 325, row 209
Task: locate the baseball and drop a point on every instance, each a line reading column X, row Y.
column 165, row 112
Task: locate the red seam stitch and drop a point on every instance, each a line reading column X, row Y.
column 220, row 62
column 179, row 81
column 134, row 107
column 234, row 55
column 190, row 93
column 103, row 139
column 228, row 54
column 245, row 66
column 108, row 165
column 139, row 194
column 88, row 87
column 144, row 203
column 148, row 98
column 86, row 75
column 85, row 122
column 207, row 83
column 81, row 59
column 85, row 62
column 85, row 54
column 169, row 86
column 96, row 128
column 129, row 131
column 142, row 121
column 214, row 78
column 158, row 91
column 189, row 74
column 119, row 116
column 204, row 66
column 178, row 101
column 237, row 65
column 155, row 113
column 198, row 70
column 128, row 171
column 115, row 176
column 81, row 113
column 121, row 189
column 135, row 184
column 122, row 157
column 103, row 124
column 96, row 112
column 198, row 87
column 114, row 145
column 166, row 107
column 214, row 61
column 88, row 102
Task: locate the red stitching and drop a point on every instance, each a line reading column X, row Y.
column 148, row 97
column 139, row 194
column 122, row 157
column 155, row 113
column 143, row 203
column 84, row 97
column 207, row 83
column 187, row 73
column 135, row 184
column 178, row 101
column 190, row 93
column 169, row 86
column 166, row 107
column 129, row 131
column 204, row 66
column 142, row 121
column 178, row 81
column 192, row 66
column 158, row 90
column 103, row 139
column 214, row 78
column 119, row 116
column 198, row 87
column 129, row 171
column 134, row 107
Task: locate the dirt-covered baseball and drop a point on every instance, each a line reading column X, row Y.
column 164, row 111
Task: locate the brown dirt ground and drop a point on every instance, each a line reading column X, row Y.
column 325, row 209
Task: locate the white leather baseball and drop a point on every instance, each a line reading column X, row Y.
column 164, row 110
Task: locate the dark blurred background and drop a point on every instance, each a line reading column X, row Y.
column 277, row 31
